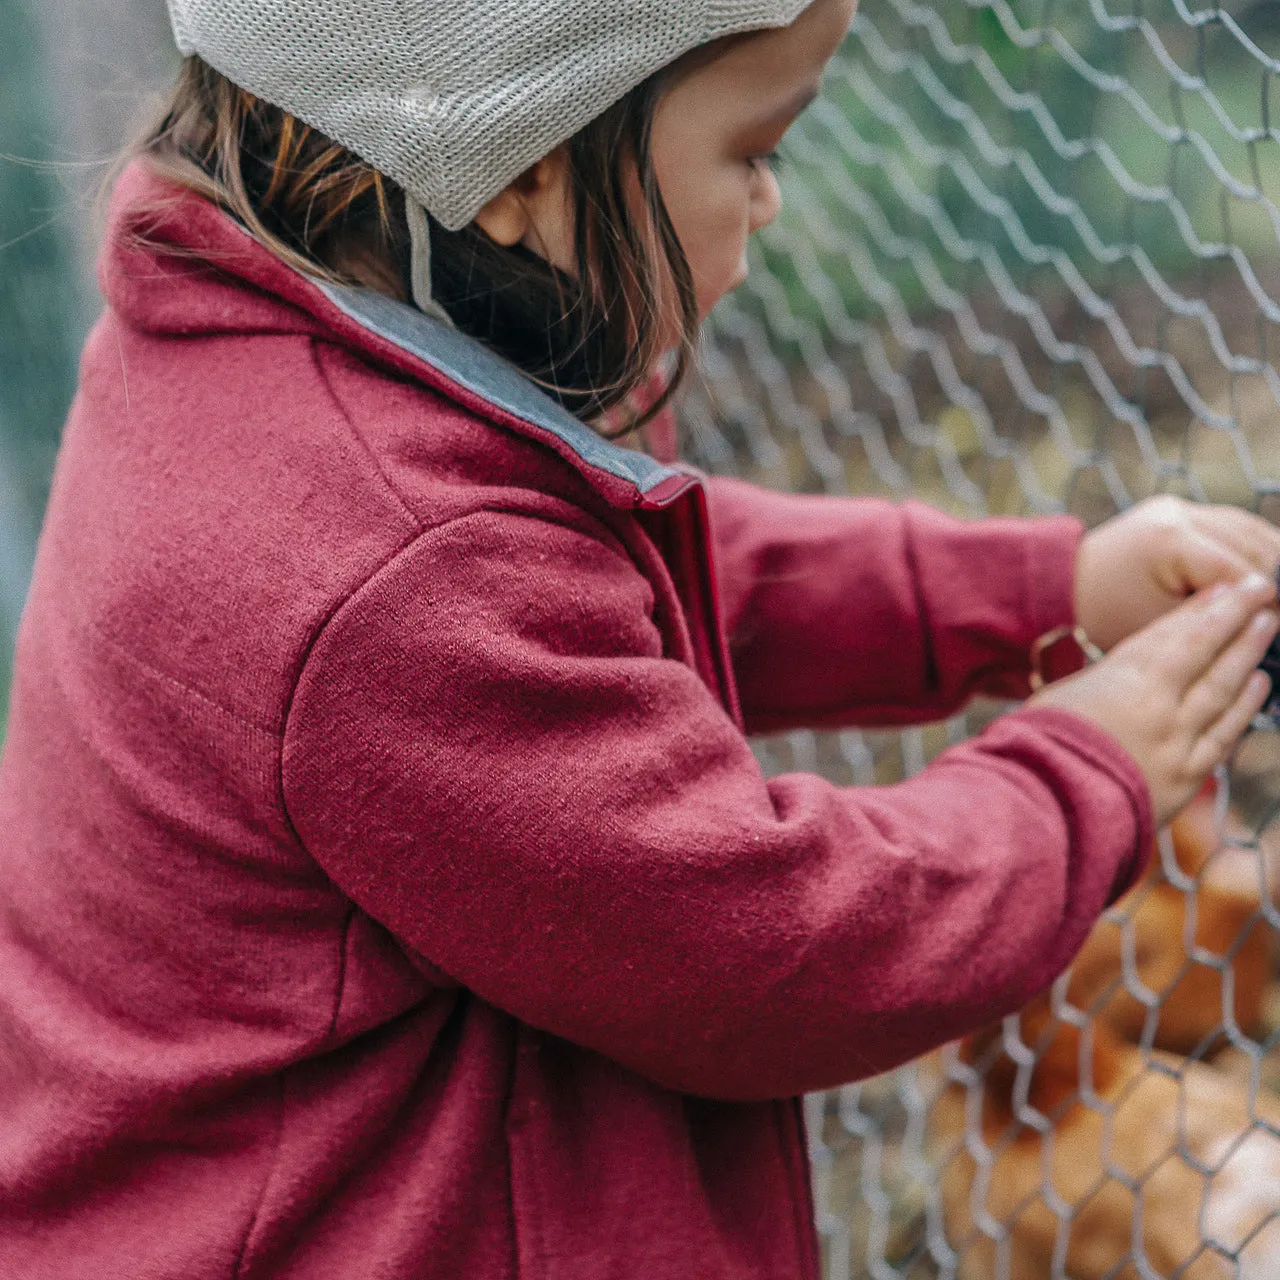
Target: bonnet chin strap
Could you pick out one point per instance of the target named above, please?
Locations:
(420, 261)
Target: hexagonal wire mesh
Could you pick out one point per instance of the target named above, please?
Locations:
(1030, 262)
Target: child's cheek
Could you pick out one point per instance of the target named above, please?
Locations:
(721, 276)
(714, 238)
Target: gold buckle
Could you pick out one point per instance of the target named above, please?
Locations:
(1088, 652)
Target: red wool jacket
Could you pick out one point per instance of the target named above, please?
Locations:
(388, 889)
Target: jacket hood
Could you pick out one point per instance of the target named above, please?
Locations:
(176, 265)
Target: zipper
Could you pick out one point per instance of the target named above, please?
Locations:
(681, 532)
(702, 551)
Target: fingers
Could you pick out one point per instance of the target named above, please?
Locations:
(1213, 695)
(1217, 742)
(1188, 640)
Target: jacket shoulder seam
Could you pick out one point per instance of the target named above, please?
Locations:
(377, 570)
(606, 539)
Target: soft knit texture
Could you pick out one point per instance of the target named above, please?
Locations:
(388, 887)
(454, 99)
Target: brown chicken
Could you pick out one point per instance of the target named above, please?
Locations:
(1136, 965)
(1093, 1154)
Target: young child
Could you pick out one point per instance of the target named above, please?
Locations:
(388, 887)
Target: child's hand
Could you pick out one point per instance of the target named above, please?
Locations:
(1141, 564)
(1178, 695)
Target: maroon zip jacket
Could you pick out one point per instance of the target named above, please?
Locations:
(387, 888)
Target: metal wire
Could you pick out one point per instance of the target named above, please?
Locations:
(1030, 262)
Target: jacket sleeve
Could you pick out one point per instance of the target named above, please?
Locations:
(489, 753)
(860, 611)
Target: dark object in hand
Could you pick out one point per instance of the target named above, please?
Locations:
(1271, 665)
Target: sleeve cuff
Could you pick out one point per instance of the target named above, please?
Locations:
(1050, 567)
(1100, 749)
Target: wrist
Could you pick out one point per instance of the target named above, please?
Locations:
(1086, 608)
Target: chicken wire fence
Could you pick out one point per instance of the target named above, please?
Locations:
(1030, 262)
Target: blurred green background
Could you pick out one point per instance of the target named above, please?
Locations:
(42, 308)
(76, 78)
(1028, 261)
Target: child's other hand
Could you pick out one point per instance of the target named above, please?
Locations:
(1139, 565)
(1178, 695)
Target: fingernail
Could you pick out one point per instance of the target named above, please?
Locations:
(1265, 622)
(1254, 582)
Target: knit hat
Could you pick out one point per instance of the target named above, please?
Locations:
(454, 99)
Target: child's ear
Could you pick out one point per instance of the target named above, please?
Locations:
(530, 210)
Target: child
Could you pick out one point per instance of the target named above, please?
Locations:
(388, 887)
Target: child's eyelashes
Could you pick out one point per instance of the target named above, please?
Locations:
(771, 160)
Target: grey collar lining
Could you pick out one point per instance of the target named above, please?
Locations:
(477, 369)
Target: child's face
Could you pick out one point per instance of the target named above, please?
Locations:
(723, 110)
(715, 127)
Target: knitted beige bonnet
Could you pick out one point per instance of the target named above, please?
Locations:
(453, 99)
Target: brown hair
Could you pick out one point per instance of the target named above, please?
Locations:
(591, 338)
